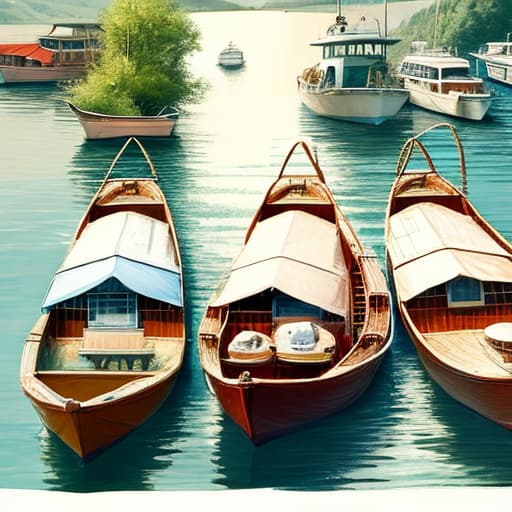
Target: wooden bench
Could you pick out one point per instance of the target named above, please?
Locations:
(102, 346)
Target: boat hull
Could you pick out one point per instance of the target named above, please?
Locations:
(499, 72)
(491, 398)
(101, 126)
(266, 409)
(359, 105)
(88, 430)
(467, 106)
(22, 74)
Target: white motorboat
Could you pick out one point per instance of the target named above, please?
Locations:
(231, 56)
(498, 60)
(439, 81)
(351, 82)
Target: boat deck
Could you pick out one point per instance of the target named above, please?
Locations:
(66, 355)
(467, 351)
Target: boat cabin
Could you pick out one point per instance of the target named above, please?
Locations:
(65, 44)
(439, 71)
(452, 273)
(116, 300)
(498, 49)
(350, 57)
(273, 335)
(73, 42)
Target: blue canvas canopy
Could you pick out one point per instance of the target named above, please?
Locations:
(133, 248)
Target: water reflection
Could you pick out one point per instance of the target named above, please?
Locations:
(340, 452)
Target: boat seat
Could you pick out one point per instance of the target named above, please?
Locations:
(102, 346)
(304, 343)
(250, 347)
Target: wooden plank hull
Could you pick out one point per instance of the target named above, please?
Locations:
(268, 409)
(491, 398)
(88, 430)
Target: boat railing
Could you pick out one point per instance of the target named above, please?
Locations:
(414, 143)
(167, 110)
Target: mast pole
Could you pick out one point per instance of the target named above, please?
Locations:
(435, 25)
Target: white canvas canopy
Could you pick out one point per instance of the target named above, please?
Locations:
(128, 234)
(430, 244)
(295, 253)
(134, 248)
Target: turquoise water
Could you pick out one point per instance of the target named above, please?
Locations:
(404, 432)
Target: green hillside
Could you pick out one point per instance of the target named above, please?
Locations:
(49, 11)
(329, 5)
(462, 24)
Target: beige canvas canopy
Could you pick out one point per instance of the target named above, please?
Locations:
(295, 253)
(430, 244)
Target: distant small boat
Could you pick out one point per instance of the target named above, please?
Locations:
(231, 57)
(109, 345)
(438, 81)
(498, 60)
(302, 322)
(62, 54)
(351, 82)
(102, 126)
(452, 274)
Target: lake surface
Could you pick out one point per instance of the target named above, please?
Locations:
(404, 432)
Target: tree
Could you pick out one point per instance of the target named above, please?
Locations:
(143, 65)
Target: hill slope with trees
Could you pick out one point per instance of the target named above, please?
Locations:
(462, 24)
(50, 11)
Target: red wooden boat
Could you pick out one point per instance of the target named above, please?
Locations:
(452, 274)
(300, 326)
(109, 345)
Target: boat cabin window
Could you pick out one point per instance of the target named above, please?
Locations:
(419, 70)
(464, 291)
(286, 306)
(454, 73)
(51, 44)
(73, 45)
(342, 50)
(112, 305)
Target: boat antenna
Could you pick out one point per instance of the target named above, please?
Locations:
(338, 7)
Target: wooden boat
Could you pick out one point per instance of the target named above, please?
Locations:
(351, 82)
(452, 274)
(231, 57)
(300, 326)
(110, 342)
(101, 126)
(441, 82)
(63, 54)
(497, 57)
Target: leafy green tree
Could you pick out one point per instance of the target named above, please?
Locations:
(143, 66)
